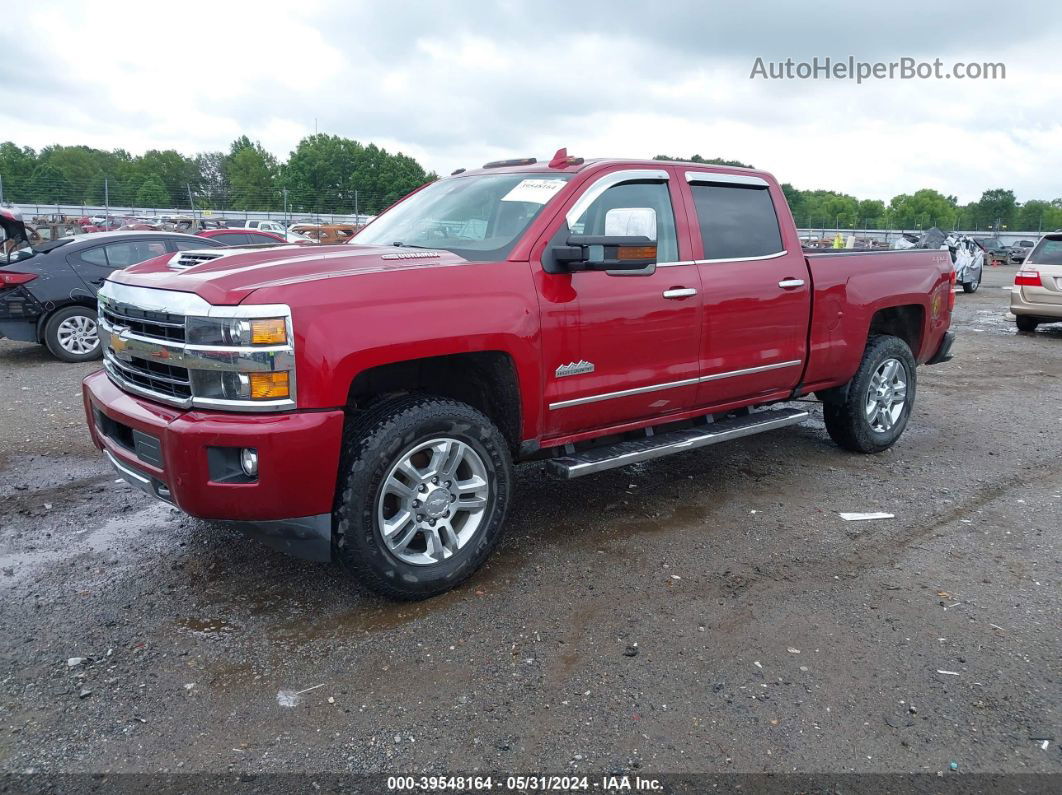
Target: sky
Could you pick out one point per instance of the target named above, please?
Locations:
(455, 83)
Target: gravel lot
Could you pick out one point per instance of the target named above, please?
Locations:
(707, 612)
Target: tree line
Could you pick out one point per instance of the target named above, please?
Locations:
(324, 174)
(997, 209)
(332, 174)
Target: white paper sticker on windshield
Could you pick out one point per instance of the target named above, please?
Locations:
(535, 191)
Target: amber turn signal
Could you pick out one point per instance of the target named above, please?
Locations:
(269, 386)
(636, 252)
(269, 331)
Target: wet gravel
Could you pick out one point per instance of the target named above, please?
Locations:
(707, 612)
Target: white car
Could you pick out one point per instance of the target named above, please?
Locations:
(267, 226)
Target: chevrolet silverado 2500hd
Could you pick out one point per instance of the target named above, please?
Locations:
(367, 401)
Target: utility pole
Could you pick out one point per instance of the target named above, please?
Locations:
(190, 202)
(357, 218)
(106, 198)
(287, 216)
(1, 188)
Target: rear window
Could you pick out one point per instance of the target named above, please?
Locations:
(737, 221)
(1047, 252)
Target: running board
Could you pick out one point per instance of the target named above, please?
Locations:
(620, 454)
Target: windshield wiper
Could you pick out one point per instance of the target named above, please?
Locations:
(400, 244)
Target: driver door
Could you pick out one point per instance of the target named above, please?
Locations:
(621, 347)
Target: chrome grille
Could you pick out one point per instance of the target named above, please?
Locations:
(164, 379)
(148, 351)
(157, 325)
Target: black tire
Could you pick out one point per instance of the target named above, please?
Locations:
(847, 421)
(373, 443)
(1027, 323)
(971, 287)
(65, 349)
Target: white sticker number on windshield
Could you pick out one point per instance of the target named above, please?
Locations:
(535, 191)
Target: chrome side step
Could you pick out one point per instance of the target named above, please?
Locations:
(631, 452)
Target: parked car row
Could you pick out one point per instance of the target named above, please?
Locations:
(48, 291)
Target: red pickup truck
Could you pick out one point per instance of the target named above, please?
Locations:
(366, 402)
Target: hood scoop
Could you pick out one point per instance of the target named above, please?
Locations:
(183, 260)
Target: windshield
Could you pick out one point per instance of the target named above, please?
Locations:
(479, 218)
(1048, 252)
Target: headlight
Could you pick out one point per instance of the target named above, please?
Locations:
(228, 385)
(236, 331)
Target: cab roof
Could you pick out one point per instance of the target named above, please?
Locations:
(574, 165)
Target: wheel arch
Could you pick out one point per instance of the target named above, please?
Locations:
(485, 380)
(907, 321)
(52, 307)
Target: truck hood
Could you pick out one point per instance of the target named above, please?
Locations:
(230, 275)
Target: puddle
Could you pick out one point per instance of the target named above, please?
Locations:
(114, 535)
(206, 627)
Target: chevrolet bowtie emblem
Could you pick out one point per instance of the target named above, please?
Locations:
(581, 367)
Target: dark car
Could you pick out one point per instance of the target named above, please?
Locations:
(48, 291)
(996, 251)
(1020, 250)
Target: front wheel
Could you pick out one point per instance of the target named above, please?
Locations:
(424, 489)
(71, 335)
(972, 285)
(877, 406)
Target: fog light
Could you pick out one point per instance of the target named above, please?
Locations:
(249, 461)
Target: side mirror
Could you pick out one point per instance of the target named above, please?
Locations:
(607, 253)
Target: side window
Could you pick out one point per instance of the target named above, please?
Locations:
(122, 255)
(737, 221)
(95, 256)
(231, 239)
(633, 208)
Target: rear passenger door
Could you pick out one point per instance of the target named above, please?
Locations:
(755, 285)
(95, 264)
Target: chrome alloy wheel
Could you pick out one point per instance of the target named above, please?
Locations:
(886, 395)
(433, 501)
(77, 335)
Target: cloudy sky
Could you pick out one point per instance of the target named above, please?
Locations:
(457, 83)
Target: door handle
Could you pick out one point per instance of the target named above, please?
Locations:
(679, 292)
(787, 283)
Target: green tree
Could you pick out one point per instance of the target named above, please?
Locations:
(16, 168)
(924, 208)
(250, 171)
(47, 185)
(152, 193)
(328, 173)
(995, 209)
(175, 171)
(1037, 215)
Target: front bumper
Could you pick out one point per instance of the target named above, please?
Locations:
(166, 452)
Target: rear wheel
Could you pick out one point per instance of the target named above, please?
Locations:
(71, 334)
(877, 406)
(1026, 323)
(424, 488)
